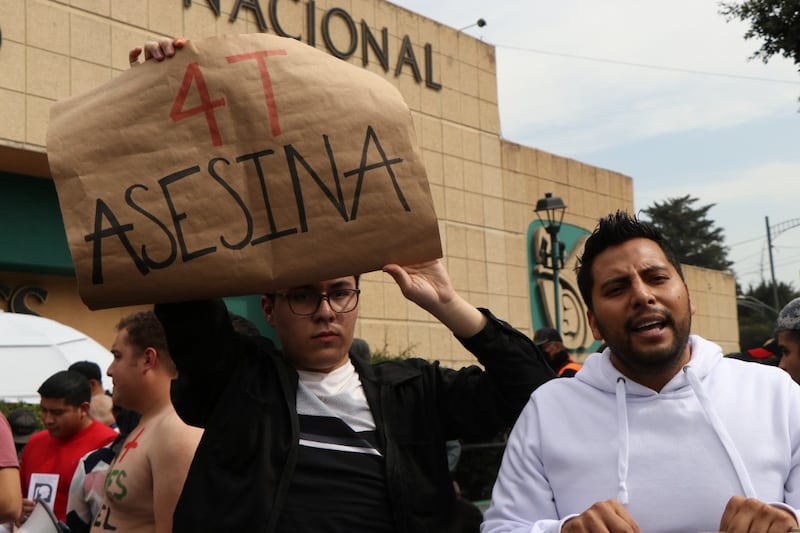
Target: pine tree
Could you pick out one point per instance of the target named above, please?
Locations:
(690, 232)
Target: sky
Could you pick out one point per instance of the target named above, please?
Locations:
(664, 92)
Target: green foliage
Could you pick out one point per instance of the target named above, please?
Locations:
(382, 354)
(775, 22)
(757, 313)
(690, 232)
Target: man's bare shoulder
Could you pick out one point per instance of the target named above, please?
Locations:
(182, 438)
(169, 423)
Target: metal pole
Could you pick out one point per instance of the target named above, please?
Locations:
(553, 231)
(772, 266)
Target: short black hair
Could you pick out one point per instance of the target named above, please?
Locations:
(613, 230)
(90, 369)
(71, 386)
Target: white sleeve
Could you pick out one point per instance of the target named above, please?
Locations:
(522, 501)
(77, 505)
(791, 495)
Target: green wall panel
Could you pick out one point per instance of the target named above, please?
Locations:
(32, 236)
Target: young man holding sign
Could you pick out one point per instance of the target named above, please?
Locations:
(307, 438)
(310, 439)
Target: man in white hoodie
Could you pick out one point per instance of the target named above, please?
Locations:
(659, 433)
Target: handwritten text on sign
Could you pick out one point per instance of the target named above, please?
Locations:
(255, 158)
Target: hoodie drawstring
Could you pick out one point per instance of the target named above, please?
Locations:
(722, 433)
(623, 437)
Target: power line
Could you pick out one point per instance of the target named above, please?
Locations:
(745, 242)
(645, 65)
(784, 262)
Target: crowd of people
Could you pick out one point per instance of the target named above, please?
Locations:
(654, 433)
(212, 427)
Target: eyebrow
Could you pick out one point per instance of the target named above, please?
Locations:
(337, 285)
(644, 272)
(656, 268)
(342, 284)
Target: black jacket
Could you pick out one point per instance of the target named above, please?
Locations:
(243, 393)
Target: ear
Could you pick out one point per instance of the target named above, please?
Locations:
(267, 306)
(150, 357)
(593, 326)
(692, 308)
(84, 406)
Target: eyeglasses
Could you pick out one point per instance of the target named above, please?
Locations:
(307, 302)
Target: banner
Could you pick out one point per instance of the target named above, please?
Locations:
(246, 163)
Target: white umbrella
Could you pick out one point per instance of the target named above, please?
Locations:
(33, 348)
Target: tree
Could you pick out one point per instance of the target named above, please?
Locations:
(776, 22)
(757, 316)
(687, 229)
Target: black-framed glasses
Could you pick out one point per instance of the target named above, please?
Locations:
(304, 302)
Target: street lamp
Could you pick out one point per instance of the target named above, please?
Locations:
(756, 305)
(554, 209)
(479, 23)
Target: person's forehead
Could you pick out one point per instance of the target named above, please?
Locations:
(785, 338)
(632, 255)
(121, 338)
(54, 403)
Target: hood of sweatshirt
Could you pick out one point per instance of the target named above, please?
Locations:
(598, 372)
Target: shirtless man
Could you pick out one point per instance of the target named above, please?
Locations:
(144, 481)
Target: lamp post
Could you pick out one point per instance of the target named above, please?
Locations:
(479, 23)
(554, 209)
(757, 305)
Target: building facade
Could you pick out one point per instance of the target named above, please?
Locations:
(484, 187)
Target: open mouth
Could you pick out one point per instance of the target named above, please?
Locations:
(653, 325)
(650, 325)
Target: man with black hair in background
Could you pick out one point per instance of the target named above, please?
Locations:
(550, 342)
(69, 434)
(101, 406)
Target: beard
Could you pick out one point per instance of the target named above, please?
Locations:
(640, 359)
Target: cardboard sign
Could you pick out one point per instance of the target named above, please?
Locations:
(245, 163)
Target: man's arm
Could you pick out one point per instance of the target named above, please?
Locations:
(475, 404)
(10, 488)
(10, 494)
(522, 500)
(428, 285)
